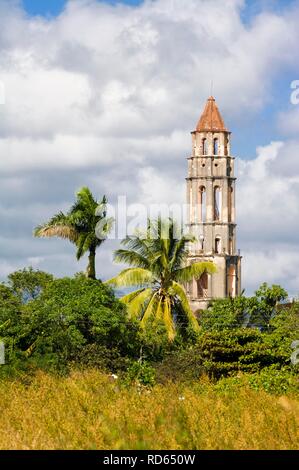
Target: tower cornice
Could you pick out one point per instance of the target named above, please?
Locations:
(211, 178)
(198, 224)
(215, 157)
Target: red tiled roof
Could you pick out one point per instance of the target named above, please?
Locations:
(211, 119)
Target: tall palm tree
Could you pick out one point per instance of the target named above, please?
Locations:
(159, 268)
(86, 225)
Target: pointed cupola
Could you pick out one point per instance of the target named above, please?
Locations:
(211, 119)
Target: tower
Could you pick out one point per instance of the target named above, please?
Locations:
(211, 207)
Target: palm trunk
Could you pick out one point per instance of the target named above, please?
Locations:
(91, 268)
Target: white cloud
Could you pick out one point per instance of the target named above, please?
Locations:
(288, 121)
(276, 266)
(98, 69)
(268, 216)
(106, 96)
(35, 261)
(268, 197)
(6, 268)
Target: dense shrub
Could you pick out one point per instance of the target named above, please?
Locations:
(66, 318)
(11, 321)
(221, 354)
(225, 314)
(104, 358)
(275, 380)
(72, 313)
(272, 379)
(183, 365)
(141, 373)
(256, 311)
(227, 352)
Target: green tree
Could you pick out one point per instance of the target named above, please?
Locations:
(72, 313)
(284, 329)
(159, 268)
(225, 314)
(241, 311)
(28, 283)
(86, 225)
(241, 349)
(10, 318)
(263, 306)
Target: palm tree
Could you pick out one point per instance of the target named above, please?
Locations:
(159, 268)
(86, 225)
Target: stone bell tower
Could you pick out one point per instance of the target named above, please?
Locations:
(211, 206)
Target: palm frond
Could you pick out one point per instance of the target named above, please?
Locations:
(179, 252)
(132, 258)
(168, 318)
(58, 226)
(179, 291)
(150, 309)
(89, 243)
(137, 302)
(126, 299)
(139, 244)
(84, 207)
(194, 270)
(159, 312)
(81, 243)
(61, 231)
(85, 196)
(132, 277)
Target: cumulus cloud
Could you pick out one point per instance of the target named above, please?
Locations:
(105, 96)
(268, 216)
(288, 121)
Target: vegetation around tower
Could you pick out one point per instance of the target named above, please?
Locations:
(145, 354)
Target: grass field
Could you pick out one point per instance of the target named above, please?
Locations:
(88, 411)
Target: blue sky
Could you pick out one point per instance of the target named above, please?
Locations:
(54, 7)
(257, 132)
(108, 101)
(254, 7)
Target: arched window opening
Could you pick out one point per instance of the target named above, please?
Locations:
(203, 205)
(230, 246)
(231, 281)
(226, 143)
(217, 203)
(217, 245)
(230, 201)
(216, 146)
(204, 147)
(202, 286)
(201, 242)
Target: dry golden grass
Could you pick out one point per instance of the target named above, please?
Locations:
(87, 411)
